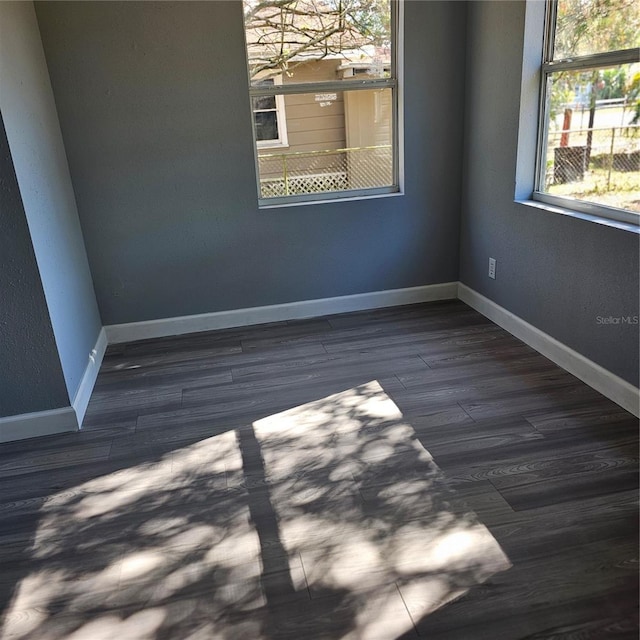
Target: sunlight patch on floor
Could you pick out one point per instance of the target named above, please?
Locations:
(331, 514)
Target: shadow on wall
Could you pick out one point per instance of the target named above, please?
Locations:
(326, 520)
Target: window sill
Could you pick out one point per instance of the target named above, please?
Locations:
(266, 204)
(274, 145)
(572, 213)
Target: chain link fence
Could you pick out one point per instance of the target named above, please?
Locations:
(298, 173)
(599, 165)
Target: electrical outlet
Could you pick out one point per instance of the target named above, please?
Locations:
(492, 268)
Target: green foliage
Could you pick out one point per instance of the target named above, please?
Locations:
(611, 84)
(593, 26)
(586, 27)
(561, 94)
(633, 95)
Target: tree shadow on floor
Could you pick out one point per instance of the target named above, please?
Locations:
(326, 520)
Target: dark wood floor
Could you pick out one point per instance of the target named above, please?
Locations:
(403, 473)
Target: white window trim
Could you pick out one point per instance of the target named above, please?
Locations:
(282, 142)
(547, 66)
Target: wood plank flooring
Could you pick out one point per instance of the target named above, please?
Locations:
(413, 472)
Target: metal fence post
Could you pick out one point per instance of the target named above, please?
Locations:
(285, 174)
(613, 137)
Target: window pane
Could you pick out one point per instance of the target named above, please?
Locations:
(311, 41)
(264, 102)
(585, 27)
(266, 125)
(338, 141)
(593, 141)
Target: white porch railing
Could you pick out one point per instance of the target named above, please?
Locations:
(297, 173)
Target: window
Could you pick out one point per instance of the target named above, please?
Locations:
(324, 95)
(269, 119)
(589, 134)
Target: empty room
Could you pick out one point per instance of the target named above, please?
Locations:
(319, 319)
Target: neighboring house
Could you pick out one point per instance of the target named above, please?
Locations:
(324, 141)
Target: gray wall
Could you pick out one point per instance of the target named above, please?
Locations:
(152, 100)
(558, 273)
(30, 376)
(33, 131)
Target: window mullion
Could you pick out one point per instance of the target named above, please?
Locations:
(596, 60)
(323, 87)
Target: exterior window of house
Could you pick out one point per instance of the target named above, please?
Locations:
(324, 90)
(589, 134)
(269, 120)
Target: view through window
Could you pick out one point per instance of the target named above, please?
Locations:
(590, 129)
(323, 88)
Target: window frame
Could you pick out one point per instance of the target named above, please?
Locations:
(578, 63)
(342, 86)
(282, 141)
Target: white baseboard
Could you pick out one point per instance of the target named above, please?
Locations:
(40, 423)
(83, 394)
(66, 419)
(46, 423)
(608, 384)
(131, 331)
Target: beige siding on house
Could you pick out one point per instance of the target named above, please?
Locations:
(313, 148)
(369, 124)
(319, 139)
(310, 126)
(368, 121)
(318, 71)
(301, 113)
